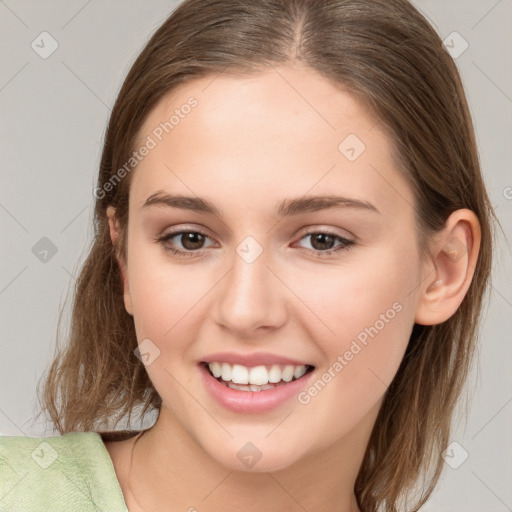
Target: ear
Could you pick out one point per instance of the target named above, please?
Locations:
(454, 254)
(114, 234)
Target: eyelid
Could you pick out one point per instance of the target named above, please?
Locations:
(330, 231)
(181, 231)
(185, 229)
(309, 231)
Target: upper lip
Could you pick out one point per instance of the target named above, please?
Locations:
(253, 359)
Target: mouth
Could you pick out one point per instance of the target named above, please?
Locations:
(256, 378)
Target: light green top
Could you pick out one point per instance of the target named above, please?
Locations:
(73, 472)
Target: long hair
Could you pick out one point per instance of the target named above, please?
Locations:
(388, 56)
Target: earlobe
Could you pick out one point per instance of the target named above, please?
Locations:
(454, 254)
(128, 303)
(114, 234)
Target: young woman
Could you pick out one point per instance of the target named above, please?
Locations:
(293, 242)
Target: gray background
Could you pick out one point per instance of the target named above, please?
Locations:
(53, 116)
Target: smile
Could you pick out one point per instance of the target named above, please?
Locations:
(256, 378)
(256, 389)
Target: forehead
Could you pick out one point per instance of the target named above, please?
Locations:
(282, 132)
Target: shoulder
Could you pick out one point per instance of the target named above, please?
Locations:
(69, 472)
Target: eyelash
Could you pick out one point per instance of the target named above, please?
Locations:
(344, 246)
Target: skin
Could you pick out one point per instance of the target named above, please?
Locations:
(247, 145)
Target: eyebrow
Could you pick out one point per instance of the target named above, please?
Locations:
(287, 207)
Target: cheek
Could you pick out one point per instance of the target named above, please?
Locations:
(350, 296)
(356, 378)
(166, 298)
(370, 314)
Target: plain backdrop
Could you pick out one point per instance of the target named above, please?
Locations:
(53, 116)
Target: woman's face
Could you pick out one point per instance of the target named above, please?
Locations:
(254, 282)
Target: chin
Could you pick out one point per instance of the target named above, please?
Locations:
(254, 456)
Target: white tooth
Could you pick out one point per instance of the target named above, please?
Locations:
(226, 371)
(216, 369)
(299, 371)
(252, 388)
(287, 373)
(258, 375)
(239, 374)
(274, 375)
(240, 388)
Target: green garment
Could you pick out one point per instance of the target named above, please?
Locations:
(68, 473)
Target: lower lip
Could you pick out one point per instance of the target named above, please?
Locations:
(252, 401)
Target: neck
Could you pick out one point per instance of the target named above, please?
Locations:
(169, 467)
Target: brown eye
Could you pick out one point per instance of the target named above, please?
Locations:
(324, 243)
(191, 240)
(186, 243)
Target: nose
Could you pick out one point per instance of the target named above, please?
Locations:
(251, 299)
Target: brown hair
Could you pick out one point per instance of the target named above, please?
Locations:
(389, 57)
